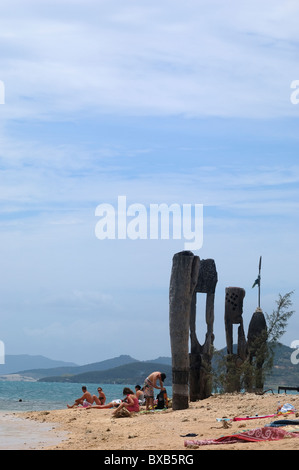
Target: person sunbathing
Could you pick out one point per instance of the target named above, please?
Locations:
(86, 399)
(130, 403)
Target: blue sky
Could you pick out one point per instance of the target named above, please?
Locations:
(164, 102)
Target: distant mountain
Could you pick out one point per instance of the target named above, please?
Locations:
(16, 363)
(161, 360)
(125, 369)
(71, 370)
(133, 373)
(283, 372)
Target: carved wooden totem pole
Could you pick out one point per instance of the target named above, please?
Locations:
(201, 355)
(183, 280)
(234, 297)
(188, 276)
(257, 349)
(257, 341)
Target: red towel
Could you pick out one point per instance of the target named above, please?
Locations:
(253, 435)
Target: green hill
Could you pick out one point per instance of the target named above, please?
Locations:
(74, 370)
(283, 372)
(125, 369)
(15, 363)
(134, 372)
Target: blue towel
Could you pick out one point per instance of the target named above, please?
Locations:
(283, 422)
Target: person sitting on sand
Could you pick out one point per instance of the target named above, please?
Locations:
(85, 400)
(149, 384)
(101, 400)
(140, 395)
(130, 403)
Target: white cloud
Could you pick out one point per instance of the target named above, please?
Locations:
(195, 59)
(69, 60)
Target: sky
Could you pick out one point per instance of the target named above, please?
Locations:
(162, 102)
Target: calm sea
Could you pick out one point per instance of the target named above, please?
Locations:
(38, 396)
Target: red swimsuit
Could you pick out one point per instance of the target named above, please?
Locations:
(135, 406)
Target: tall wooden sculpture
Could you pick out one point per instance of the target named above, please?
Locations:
(234, 297)
(201, 355)
(257, 350)
(252, 350)
(257, 341)
(190, 275)
(183, 280)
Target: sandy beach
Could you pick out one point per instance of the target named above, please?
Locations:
(93, 429)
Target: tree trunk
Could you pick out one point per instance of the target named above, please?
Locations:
(184, 276)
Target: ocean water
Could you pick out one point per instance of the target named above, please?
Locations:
(39, 396)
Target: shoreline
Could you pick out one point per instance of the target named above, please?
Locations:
(93, 429)
(19, 433)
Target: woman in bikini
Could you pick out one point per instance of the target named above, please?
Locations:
(101, 400)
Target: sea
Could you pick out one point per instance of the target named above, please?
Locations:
(39, 396)
(18, 396)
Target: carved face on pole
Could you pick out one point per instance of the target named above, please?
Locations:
(234, 297)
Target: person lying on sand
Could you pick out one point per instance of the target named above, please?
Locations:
(130, 403)
(85, 400)
(112, 404)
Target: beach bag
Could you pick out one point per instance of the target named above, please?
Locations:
(287, 408)
(162, 400)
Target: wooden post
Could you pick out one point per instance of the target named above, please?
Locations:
(184, 276)
(200, 378)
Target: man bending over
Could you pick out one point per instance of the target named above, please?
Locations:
(149, 384)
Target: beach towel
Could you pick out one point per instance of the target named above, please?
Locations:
(283, 411)
(283, 422)
(253, 435)
(245, 418)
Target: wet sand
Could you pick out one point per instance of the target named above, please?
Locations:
(17, 433)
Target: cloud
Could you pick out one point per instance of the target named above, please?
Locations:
(62, 185)
(109, 98)
(196, 59)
